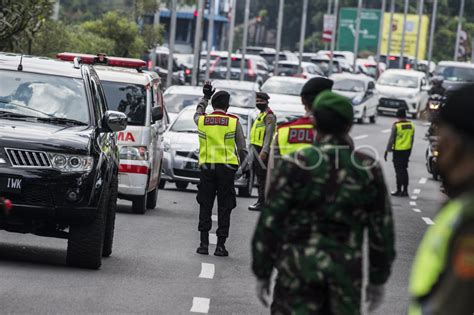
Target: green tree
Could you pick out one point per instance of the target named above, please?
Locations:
(121, 31)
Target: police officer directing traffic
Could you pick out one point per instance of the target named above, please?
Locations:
(442, 278)
(261, 136)
(311, 229)
(400, 144)
(221, 147)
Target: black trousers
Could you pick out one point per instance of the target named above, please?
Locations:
(400, 162)
(216, 180)
(260, 170)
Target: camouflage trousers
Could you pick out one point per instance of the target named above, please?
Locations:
(325, 299)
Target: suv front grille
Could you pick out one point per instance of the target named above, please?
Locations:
(32, 195)
(28, 158)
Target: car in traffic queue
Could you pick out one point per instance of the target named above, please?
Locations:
(59, 157)
(255, 68)
(181, 146)
(177, 98)
(290, 69)
(323, 64)
(455, 74)
(284, 90)
(402, 89)
(360, 89)
(137, 93)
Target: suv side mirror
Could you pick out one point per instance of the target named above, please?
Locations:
(371, 86)
(156, 114)
(114, 120)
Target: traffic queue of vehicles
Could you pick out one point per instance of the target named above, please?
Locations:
(80, 132)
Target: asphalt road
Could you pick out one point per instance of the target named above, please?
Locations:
(154, 268)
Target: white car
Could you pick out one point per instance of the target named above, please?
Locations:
(178, 97)
(137, 94)
(360, 89)
(402, 89)
(284, 90)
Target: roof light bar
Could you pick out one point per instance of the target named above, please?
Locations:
(103, 59)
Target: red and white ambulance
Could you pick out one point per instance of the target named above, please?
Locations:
(136, 93)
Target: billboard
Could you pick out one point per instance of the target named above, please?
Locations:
(369, 29)
(410, 35)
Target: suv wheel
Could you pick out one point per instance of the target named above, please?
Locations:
(139, 204)
(152, 198)
(110, 219)
(181, 185)
(85, 242)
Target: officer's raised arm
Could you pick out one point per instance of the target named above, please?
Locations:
(202, 105)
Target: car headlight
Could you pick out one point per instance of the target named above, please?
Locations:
(435, 153)
(356, 100)
(134, 153)
(166, 146)
(71, 163)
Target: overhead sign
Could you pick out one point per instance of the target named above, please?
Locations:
(328, 26)
(410, 36)
(369, 29)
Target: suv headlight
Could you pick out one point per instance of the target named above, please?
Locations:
(134, 153)
(357, 100)
(71, 163)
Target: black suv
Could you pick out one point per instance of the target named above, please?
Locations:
(58, 155)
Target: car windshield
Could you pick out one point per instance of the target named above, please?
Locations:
(270, 57)
(43, 96)
(185, 122)
(283, 87)
(398, 80)
(456, 73)
(324, 65)
(176, 102)
(287, 69)
(127, 98)
(241, 98)
(348, 85)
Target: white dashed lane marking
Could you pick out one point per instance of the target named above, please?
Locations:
(386, 130)
(423, 180)
(212, 238)
(428, 221)
(207, 271)
(360, 137)
(412, 203)
(214, 218)
(417, 191)
(416, 210)
(200, 305)
(414, 197)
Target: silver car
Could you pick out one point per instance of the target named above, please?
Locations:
(181, 151)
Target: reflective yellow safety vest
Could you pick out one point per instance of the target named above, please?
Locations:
(433, 253)
(217, 139)
(404, 136)
(295, 135)
(257, 133)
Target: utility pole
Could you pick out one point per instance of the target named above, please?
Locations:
(379, 44)
(210, 36)
(432, 30)
(458, 33)
(231, 39)
(418, 32)
(328, 12)
(389, 42)
(278, 43)
(402, 49)
(302, 32)
(244, 40)
(357, 33)
(197, 43)
(333, 38)
(169, 76)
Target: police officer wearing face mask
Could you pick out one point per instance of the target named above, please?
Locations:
(261, 137)
(221, 149)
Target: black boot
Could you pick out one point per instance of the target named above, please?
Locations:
(220, 248)
(203, 248)
(404, 192)
(397, 193)
(256, 207)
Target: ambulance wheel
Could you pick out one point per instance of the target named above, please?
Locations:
(152, 198)
(181, 185)
(139, 204)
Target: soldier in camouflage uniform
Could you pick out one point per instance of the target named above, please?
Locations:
(311, 229)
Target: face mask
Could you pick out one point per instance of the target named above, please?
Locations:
(262, 107)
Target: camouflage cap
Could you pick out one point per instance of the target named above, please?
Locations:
(336, 103)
